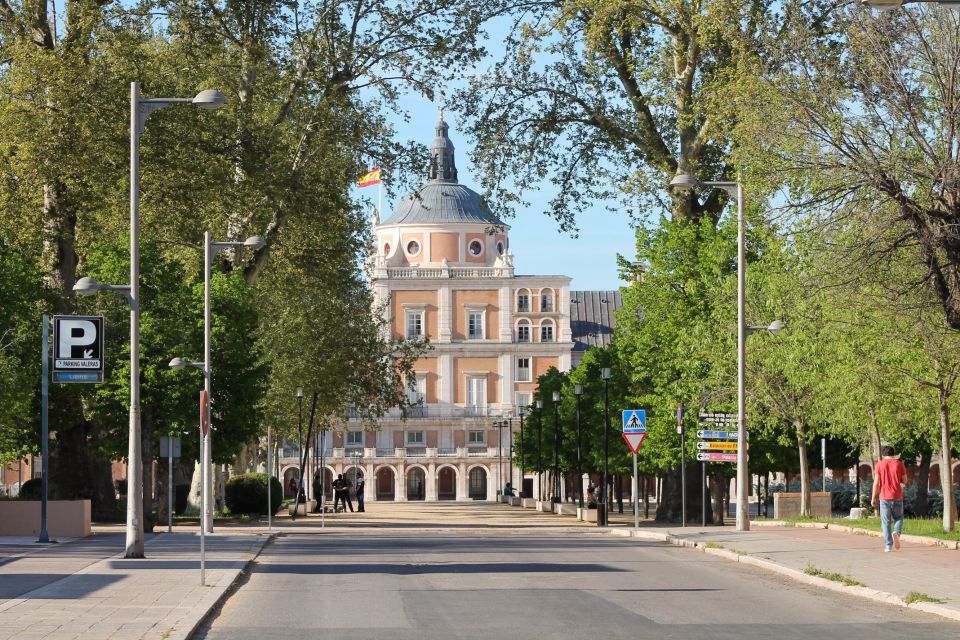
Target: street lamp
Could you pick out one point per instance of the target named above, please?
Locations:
(885, 5)
(300, 484)
(520, 410)
(539, 451)
(140, 110)
(210, 249)
(686, 182)
(180, 363)
(556, 448)
(602, 511)
(577, 392)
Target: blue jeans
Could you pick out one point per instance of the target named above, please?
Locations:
(891, 509)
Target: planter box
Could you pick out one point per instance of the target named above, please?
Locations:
(566, 509)
(545, 507)
(516, 502)
(787, 505)
(302, 508)
(65, 518)
(528, 503)
(587, 515)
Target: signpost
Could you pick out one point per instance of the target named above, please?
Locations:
(634, 433)
(204, 428)
(718, 443)
(77, 357)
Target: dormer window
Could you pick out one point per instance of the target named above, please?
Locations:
(500, 248)
(413, 248)
(475, 248)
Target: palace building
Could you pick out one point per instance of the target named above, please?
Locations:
(443, 268)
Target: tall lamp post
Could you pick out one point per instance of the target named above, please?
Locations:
(539, 406)
(210, 250)
(521, 411)
(602, 510)
(577, 392)
(686, 182)
(300, 483)
(556, 448)
(180, 363)
(140, 110)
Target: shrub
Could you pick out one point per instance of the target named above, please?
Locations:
(30, 490)
(247, 493)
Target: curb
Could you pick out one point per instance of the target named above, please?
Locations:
(795, 574)
(212, 602)
(858, 531)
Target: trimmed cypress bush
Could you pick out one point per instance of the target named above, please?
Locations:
(31, 489)
(247, 493)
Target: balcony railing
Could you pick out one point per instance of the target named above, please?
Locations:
(416, 452)
(410, 273)
(435, 411)
(476, 452)
(446, 452)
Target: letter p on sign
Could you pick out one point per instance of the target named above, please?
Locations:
(76, 339)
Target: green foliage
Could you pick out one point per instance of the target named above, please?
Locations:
(247, 494)
(31, 490)
(23, 301)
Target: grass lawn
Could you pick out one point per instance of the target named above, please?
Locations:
(931, 527)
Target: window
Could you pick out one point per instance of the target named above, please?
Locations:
(523, 302)
(414, 324)
(476, 394)
(546, 333)
(413, 248)
(523, 369)
(415, 438)
(418, 392)
(523, 401)
(475, 325)
(386, 248)
(475, 247)
(546, 301)
(500, 248)
(523, 332)
(354, 438)
(475, 437)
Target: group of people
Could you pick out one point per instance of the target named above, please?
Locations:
(341, 492)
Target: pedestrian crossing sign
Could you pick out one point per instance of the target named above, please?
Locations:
(634, 421)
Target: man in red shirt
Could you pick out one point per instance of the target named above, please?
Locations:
(889, 478)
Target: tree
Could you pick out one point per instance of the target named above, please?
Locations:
(866, 136)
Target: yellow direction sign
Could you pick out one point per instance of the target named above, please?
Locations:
(720, 446)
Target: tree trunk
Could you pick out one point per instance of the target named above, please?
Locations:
(923, 484)
(946, 471)
(718, 482)
(804, 468)
(619, 492)
(146, 457)
(646, 497)
(669, 506)
(194, 498)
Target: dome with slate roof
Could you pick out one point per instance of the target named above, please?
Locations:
(443, 221)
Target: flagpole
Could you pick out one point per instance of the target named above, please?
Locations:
(380, 200)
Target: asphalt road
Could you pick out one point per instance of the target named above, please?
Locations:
(573, 584)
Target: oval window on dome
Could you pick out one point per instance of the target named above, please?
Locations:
(386, 248)
(500, 248)
(413, 248)
(476, 248)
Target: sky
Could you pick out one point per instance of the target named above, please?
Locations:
(539, 248)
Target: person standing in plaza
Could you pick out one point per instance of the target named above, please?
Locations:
(360, 484)
(889, 478)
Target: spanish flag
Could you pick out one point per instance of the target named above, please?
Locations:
(370, 178)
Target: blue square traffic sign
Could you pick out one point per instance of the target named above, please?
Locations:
(635, 421)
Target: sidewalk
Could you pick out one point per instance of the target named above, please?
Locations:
(793, 551)
(86, 589)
